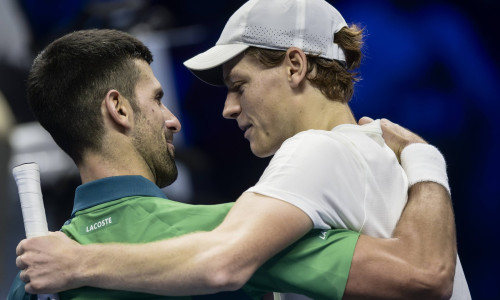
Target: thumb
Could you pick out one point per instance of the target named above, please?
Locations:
(365, 120)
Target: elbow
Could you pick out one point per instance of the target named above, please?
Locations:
(226, 267)
(443, 284)
(226, 272)
(435, 284)
(225, 278)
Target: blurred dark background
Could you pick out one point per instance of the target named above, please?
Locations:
(432, 66)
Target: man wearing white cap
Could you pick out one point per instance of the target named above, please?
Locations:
(293, 104)
(289, 69)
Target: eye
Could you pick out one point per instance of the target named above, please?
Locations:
(241, 89)
(238, 88)
(159, 96)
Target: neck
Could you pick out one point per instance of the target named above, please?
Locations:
(324, 114)
(101, 165)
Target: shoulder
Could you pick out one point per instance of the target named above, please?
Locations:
(317, 141)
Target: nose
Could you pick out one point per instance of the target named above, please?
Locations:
(232, 107)
(172, 122)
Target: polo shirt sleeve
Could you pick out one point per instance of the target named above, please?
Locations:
(316, 266)
(17, 291)
(321, 175)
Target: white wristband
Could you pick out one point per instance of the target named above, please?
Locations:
(424, 162)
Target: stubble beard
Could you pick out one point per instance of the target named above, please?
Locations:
(158, 157)
(167, 172)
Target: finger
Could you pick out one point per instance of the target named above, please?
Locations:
(19, 248)
(391, 129)
(23, 275)
(385, 123)
(30, 289)
(365, 120)
(20, 264)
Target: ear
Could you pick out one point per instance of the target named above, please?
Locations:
(296, 61)
(118, 109)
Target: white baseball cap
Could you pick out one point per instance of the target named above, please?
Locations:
(272, 24)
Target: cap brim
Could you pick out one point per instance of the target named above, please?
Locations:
(207, 66)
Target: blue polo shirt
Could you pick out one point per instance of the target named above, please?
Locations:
(132, 209)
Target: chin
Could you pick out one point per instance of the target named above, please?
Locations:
(262, 153)
(168, 180)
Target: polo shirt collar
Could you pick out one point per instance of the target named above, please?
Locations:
(112, 188)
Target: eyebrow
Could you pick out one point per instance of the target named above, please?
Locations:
(227, 80)
(230, 81)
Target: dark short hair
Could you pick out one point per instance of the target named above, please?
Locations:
(70, 78)
(334, 79)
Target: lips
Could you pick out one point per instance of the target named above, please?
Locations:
(247, 132)
(169, 138)
(246, 129)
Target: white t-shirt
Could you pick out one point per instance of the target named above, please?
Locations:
(344, 178)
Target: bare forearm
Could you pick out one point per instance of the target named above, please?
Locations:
(171, 267)
(419, 262)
